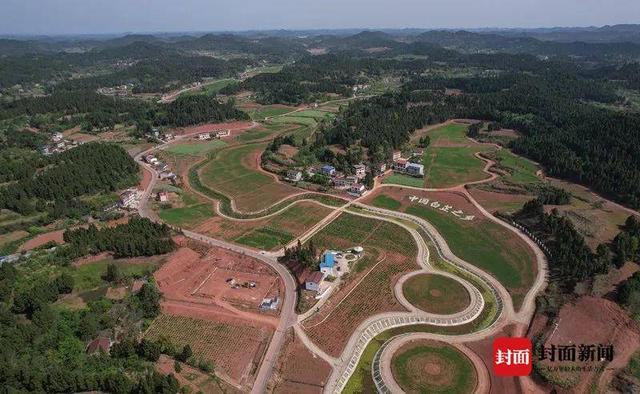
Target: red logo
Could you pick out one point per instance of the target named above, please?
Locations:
(512, 356)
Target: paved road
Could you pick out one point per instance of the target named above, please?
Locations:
(343, 366)
(288, 316)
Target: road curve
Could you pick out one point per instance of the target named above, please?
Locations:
(288, 316)
(382, 369)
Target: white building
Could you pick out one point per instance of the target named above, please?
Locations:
(294, 175)
(360, 170)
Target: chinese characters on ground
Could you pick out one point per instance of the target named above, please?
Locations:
(442, 207)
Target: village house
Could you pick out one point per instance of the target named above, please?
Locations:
(357, 190)
(163, 196)
(395, 155)
(223, 133)
(100, 344)
(381, 168)
(344, 182)
(313, 281)
(204, 136)
(167, 175)
(328, 170)
(414, 169)
(294, 175)
(57, 137)
(400, 164)
(360, 170)
(127, 198)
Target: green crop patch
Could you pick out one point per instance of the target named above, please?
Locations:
(196, 148)
(436, 294)
(266, 238)
(433, 367)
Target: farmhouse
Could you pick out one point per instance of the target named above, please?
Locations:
(415, 169)
(400, 164)
(345, 182)
(167, 175)
(294, 175)
(100, 344)
(313, 281)
(328, 263)
(360, 170)
(328, 170)
(269, 304)
(357, 189)
(127, 198)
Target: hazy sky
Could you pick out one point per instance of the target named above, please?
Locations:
(115, 16)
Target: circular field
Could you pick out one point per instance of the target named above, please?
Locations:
(433, 367)
(436, 294)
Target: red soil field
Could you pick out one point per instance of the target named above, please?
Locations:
(55, 236)
(590, 320)
(146, 179)
(195, 285)
(298, 370)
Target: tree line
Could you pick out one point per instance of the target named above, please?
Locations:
(138, 237)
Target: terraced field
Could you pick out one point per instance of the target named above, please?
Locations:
(234, 172)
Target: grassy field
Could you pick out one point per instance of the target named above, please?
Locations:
(433, 367)
(386, 202)
(482, 243)
(486, 246)
(89, 276)
(283, 228)
(436, 294)
(196, 148)
(212, 87)
(449, 160)
(521, 169)
(403, 180)
(266, 238)
(261, 113)
(187, 217)
(230, 174)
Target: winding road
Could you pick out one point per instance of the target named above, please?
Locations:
(345, 365)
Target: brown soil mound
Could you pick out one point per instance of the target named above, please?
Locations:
(55, 236)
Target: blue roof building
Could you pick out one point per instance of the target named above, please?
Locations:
(329, 170)
(328, 260)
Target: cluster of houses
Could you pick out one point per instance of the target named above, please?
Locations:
(164, 172)
(156, 134)
(218, 133)
(351, 183)
(121, 90)
(333, 264)
(405, 166)
(59, 144)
